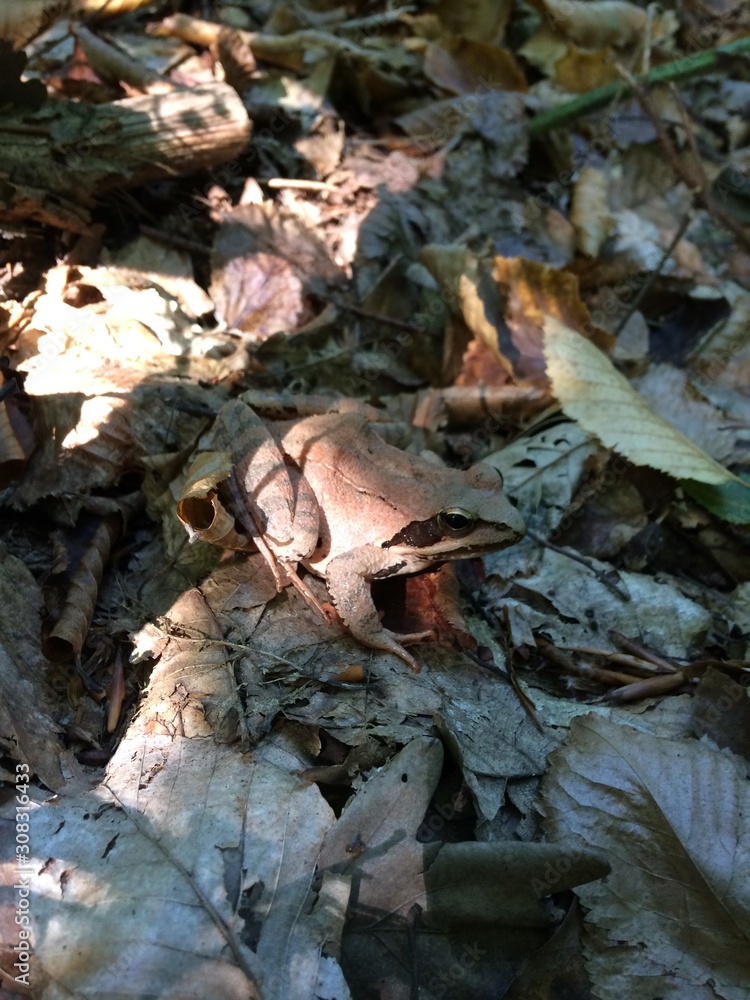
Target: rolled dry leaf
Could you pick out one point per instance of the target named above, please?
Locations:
(107, 8)
(199, 508)
(67, 637)
(589, 211)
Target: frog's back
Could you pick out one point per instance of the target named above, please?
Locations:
(368, 492)
(345, 449)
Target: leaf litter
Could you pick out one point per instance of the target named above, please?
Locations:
(436, 224)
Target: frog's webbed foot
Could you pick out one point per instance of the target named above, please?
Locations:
(390, 642)
(352, 598)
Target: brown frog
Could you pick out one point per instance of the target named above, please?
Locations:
(328, 492)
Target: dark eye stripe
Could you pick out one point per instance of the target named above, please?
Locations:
(418, 534)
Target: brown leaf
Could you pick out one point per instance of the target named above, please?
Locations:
(266, 263)
(26, 707)
(533, 290)
(599, 23)
(668, 813)
(464, 67)
(580, 71)
(479, 20)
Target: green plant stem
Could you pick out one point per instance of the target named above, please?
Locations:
(693, 65)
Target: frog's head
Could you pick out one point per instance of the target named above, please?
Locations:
(474, 517)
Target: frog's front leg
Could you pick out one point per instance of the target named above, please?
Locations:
(348, 578)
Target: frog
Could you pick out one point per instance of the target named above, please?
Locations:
(328, 493)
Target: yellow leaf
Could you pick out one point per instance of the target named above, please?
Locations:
(592, 392)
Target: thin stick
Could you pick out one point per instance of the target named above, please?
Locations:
(643, 290)
(631, 646)
(698, 182)
(397, 324)
(299, 184)
(582, 560)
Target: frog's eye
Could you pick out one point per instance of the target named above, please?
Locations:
(455, 521)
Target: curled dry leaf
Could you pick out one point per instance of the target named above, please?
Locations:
(85, 560)
(589, 211)
(108, 8)
(16, 435)
(592, 392)
(199, 507)
(112, 63)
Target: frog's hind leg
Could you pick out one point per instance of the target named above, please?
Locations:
(300, 585)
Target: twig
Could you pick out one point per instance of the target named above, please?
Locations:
(397, 324)
(376, 20)
(582, 560)
(649, 688)
(633, 664)
(698, 182)
(562, 658)
(299, 183)
(643, 290)
(679, 69)
(631, 646)
(525, 701)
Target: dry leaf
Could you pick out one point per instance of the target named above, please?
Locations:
(597, 24)
(20, 20)
(673, 917)
(266, 263)
(579, 70)
(568, 602)
(200, 509)
(464, 67)
(533, 290)
(592, 392)
(480, 20)
(191, 814)
(589, 211)
(82, 563)
(27, 727)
